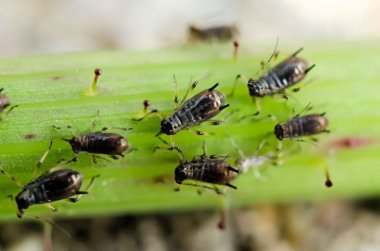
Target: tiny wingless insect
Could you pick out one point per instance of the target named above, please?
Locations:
(112, 144)
(279, 78)
(276, 80)
(101, 142)
(210, 169)
(56, 184)
(200, 108)
(300, 126)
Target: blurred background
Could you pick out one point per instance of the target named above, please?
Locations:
(45, 26)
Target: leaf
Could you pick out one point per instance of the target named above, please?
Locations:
(53, 90)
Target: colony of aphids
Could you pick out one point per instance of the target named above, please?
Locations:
(204, 171)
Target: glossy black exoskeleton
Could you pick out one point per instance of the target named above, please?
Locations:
(112, 144)
(205, 168)
(202, 107)
(53, 185)
(194, 111)
(282, 76)
(57, 185)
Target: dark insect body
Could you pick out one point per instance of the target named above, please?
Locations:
(201, 107)
(218, 33)
(282, 76)
(112, 144)
(206, 169)
(57, 185)
(300, 126)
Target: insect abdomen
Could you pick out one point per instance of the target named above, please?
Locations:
(301, 126)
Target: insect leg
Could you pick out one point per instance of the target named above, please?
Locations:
(189, 90)
(80, 193)
(68, 127)
(237, 78)
(42, 159)
(170, 148)
(258, 106)
(152, 112)
(13, 178)
(11, 108)
(230, 185)
(218, 122)
(258, 109)
(217, 190)
(308, 107)
(116, 128)
(238, 149)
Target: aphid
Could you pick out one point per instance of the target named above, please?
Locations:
(279, 78)
(56, 184)
(111, 144)
(5, 102)
(200, 108)
(100, 142)
(210, 169)
(218, 33)
(300, 126)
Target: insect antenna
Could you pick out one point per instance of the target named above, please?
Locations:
(11, 177)
(52, 223)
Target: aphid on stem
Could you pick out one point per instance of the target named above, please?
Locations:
(189, 113)
(211, 169)
(303, 126)
(277, 79)
(100, 142)
(58, 183)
